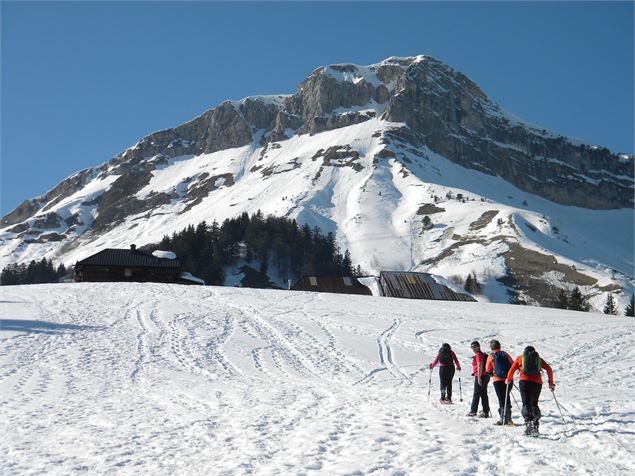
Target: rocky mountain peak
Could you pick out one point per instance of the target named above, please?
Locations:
(440, 106)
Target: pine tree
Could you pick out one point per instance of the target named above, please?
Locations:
(611, 307)
(10, 275)
(347, 264)
(563, 299)
(630, 307)
(469, 284)
(60, 272)
(478, 288)
(578, 302)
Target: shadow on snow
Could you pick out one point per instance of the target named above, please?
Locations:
(41, 327)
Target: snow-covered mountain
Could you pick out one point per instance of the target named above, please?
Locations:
(366, 152)
(126, 378)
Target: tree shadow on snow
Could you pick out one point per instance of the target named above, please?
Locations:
(41, 327)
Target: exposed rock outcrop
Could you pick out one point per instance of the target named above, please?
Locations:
(455, 119)
(25, 210)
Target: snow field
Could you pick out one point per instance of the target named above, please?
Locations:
(167, 379)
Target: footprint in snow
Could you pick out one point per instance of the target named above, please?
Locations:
(315, 466)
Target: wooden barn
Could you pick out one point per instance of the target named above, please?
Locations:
(406, 284)
(331, 284)
(131, 265)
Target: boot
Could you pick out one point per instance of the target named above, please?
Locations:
(529, 426)
(536, 426)
(509, 422)
(499, 422)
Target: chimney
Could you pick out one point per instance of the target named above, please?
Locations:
(133, 248)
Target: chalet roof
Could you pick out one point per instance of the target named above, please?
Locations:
(331, 284)
(130, 258)
(407, 284)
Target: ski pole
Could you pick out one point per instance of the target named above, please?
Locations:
(460, 389)
(429, 384)
(566, 428)
(516, 401)
(507, 392)
(517, 405)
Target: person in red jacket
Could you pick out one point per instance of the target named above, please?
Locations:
(497, 365)
(530, 365)
(481, 379)
(447, 360)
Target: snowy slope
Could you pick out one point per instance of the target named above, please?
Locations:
(168, 379)
(373, 209)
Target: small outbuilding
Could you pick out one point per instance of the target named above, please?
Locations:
(331, 284)
(132, 265)
(410, 285)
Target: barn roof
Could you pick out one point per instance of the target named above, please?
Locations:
(130, 258)
(406, 284)
(331, 284)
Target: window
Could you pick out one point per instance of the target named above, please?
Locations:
(348, 281)
(313, 280)
(127, 272)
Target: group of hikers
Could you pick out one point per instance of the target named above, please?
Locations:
(500, 368)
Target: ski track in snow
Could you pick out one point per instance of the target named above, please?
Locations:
(167, 379)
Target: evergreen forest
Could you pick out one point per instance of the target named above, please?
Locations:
(35, 272)
(207, 250)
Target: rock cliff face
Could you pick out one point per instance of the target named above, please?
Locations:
(67, 187)
(442, 108)
(455, 118)
(414, 105)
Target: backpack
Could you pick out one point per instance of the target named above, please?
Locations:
(445, 356)
(501, 364)
(530, 363)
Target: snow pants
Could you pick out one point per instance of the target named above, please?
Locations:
(529, 393)
(502, 395)
(446, 374)
(480, 393)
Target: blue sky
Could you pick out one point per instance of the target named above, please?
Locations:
(83, 81)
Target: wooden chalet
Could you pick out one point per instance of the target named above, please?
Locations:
(131, 265)
(331, 284)
(410, 285)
